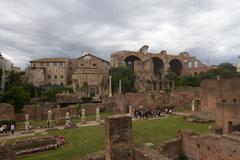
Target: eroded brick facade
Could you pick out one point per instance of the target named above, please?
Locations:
(151, 68)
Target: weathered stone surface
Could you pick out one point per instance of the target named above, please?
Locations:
(7, 112)
(6, 152)
(118, 138)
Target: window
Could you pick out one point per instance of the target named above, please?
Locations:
(55, 77)
(196, 64)
(190, 65)
(61, 77)
(49, 77)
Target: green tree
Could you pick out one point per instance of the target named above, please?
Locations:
(16, 96)
(50, 94)
(126, 76)
(171, 76)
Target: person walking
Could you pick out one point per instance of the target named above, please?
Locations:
(12, 129)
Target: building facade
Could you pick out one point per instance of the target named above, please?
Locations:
(49, 71)
(6, 67)
(87, 75)
(91, 76)
(151, 69)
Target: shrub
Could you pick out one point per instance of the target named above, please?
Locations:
(87, 99)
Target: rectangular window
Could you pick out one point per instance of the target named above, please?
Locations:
(61, 77)
(49, 77)
(55, 77)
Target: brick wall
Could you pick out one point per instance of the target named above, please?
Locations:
(6, 112)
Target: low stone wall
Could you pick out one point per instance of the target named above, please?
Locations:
(182, 97)
(202, 147)
(144, 153)
(171, 148)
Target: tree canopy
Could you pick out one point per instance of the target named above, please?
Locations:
(127, 77)
(224, 70)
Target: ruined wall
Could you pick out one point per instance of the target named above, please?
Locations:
(118, 138)
(227, 113)
(37, 112)
(171, 148)
(199, 147)
(202, 147)
(230, 147)
(6, 112)
(183, 97)
(137, 100)
(214, 91)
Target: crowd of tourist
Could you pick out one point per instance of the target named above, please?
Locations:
(148, 112)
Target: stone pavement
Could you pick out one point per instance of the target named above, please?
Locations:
(19, 134)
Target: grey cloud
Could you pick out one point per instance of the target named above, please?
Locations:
(40, 28)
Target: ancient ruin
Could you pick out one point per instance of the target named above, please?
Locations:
(151, 69)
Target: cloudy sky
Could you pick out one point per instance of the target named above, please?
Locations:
(32, 29)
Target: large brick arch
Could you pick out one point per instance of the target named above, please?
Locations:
(130, 60)
(158, 67)
(176, 66)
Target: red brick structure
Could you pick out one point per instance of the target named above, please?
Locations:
(202, 147)
(215, 91)
(6, 112)
(228, 117)
(151, 68)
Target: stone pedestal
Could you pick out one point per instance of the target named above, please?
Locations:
(27, 123)
(98, 117)
(67, 120)
(193, 105)
(50, 120)
(130, 111)
(83, 116)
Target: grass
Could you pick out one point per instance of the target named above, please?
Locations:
(82, 141)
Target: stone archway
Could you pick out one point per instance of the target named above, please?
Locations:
(158, 67)
(130, 61)
(176, 66)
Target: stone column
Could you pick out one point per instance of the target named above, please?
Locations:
(83, 116)
(110, 86)
(50, 121)
(130, 111)
(120, 86)
(173, 84)
(98, 118)
(193, 105)
(27, 122)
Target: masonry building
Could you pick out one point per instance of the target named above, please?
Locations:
(49, 71)
(151, 69)
(90, 77)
